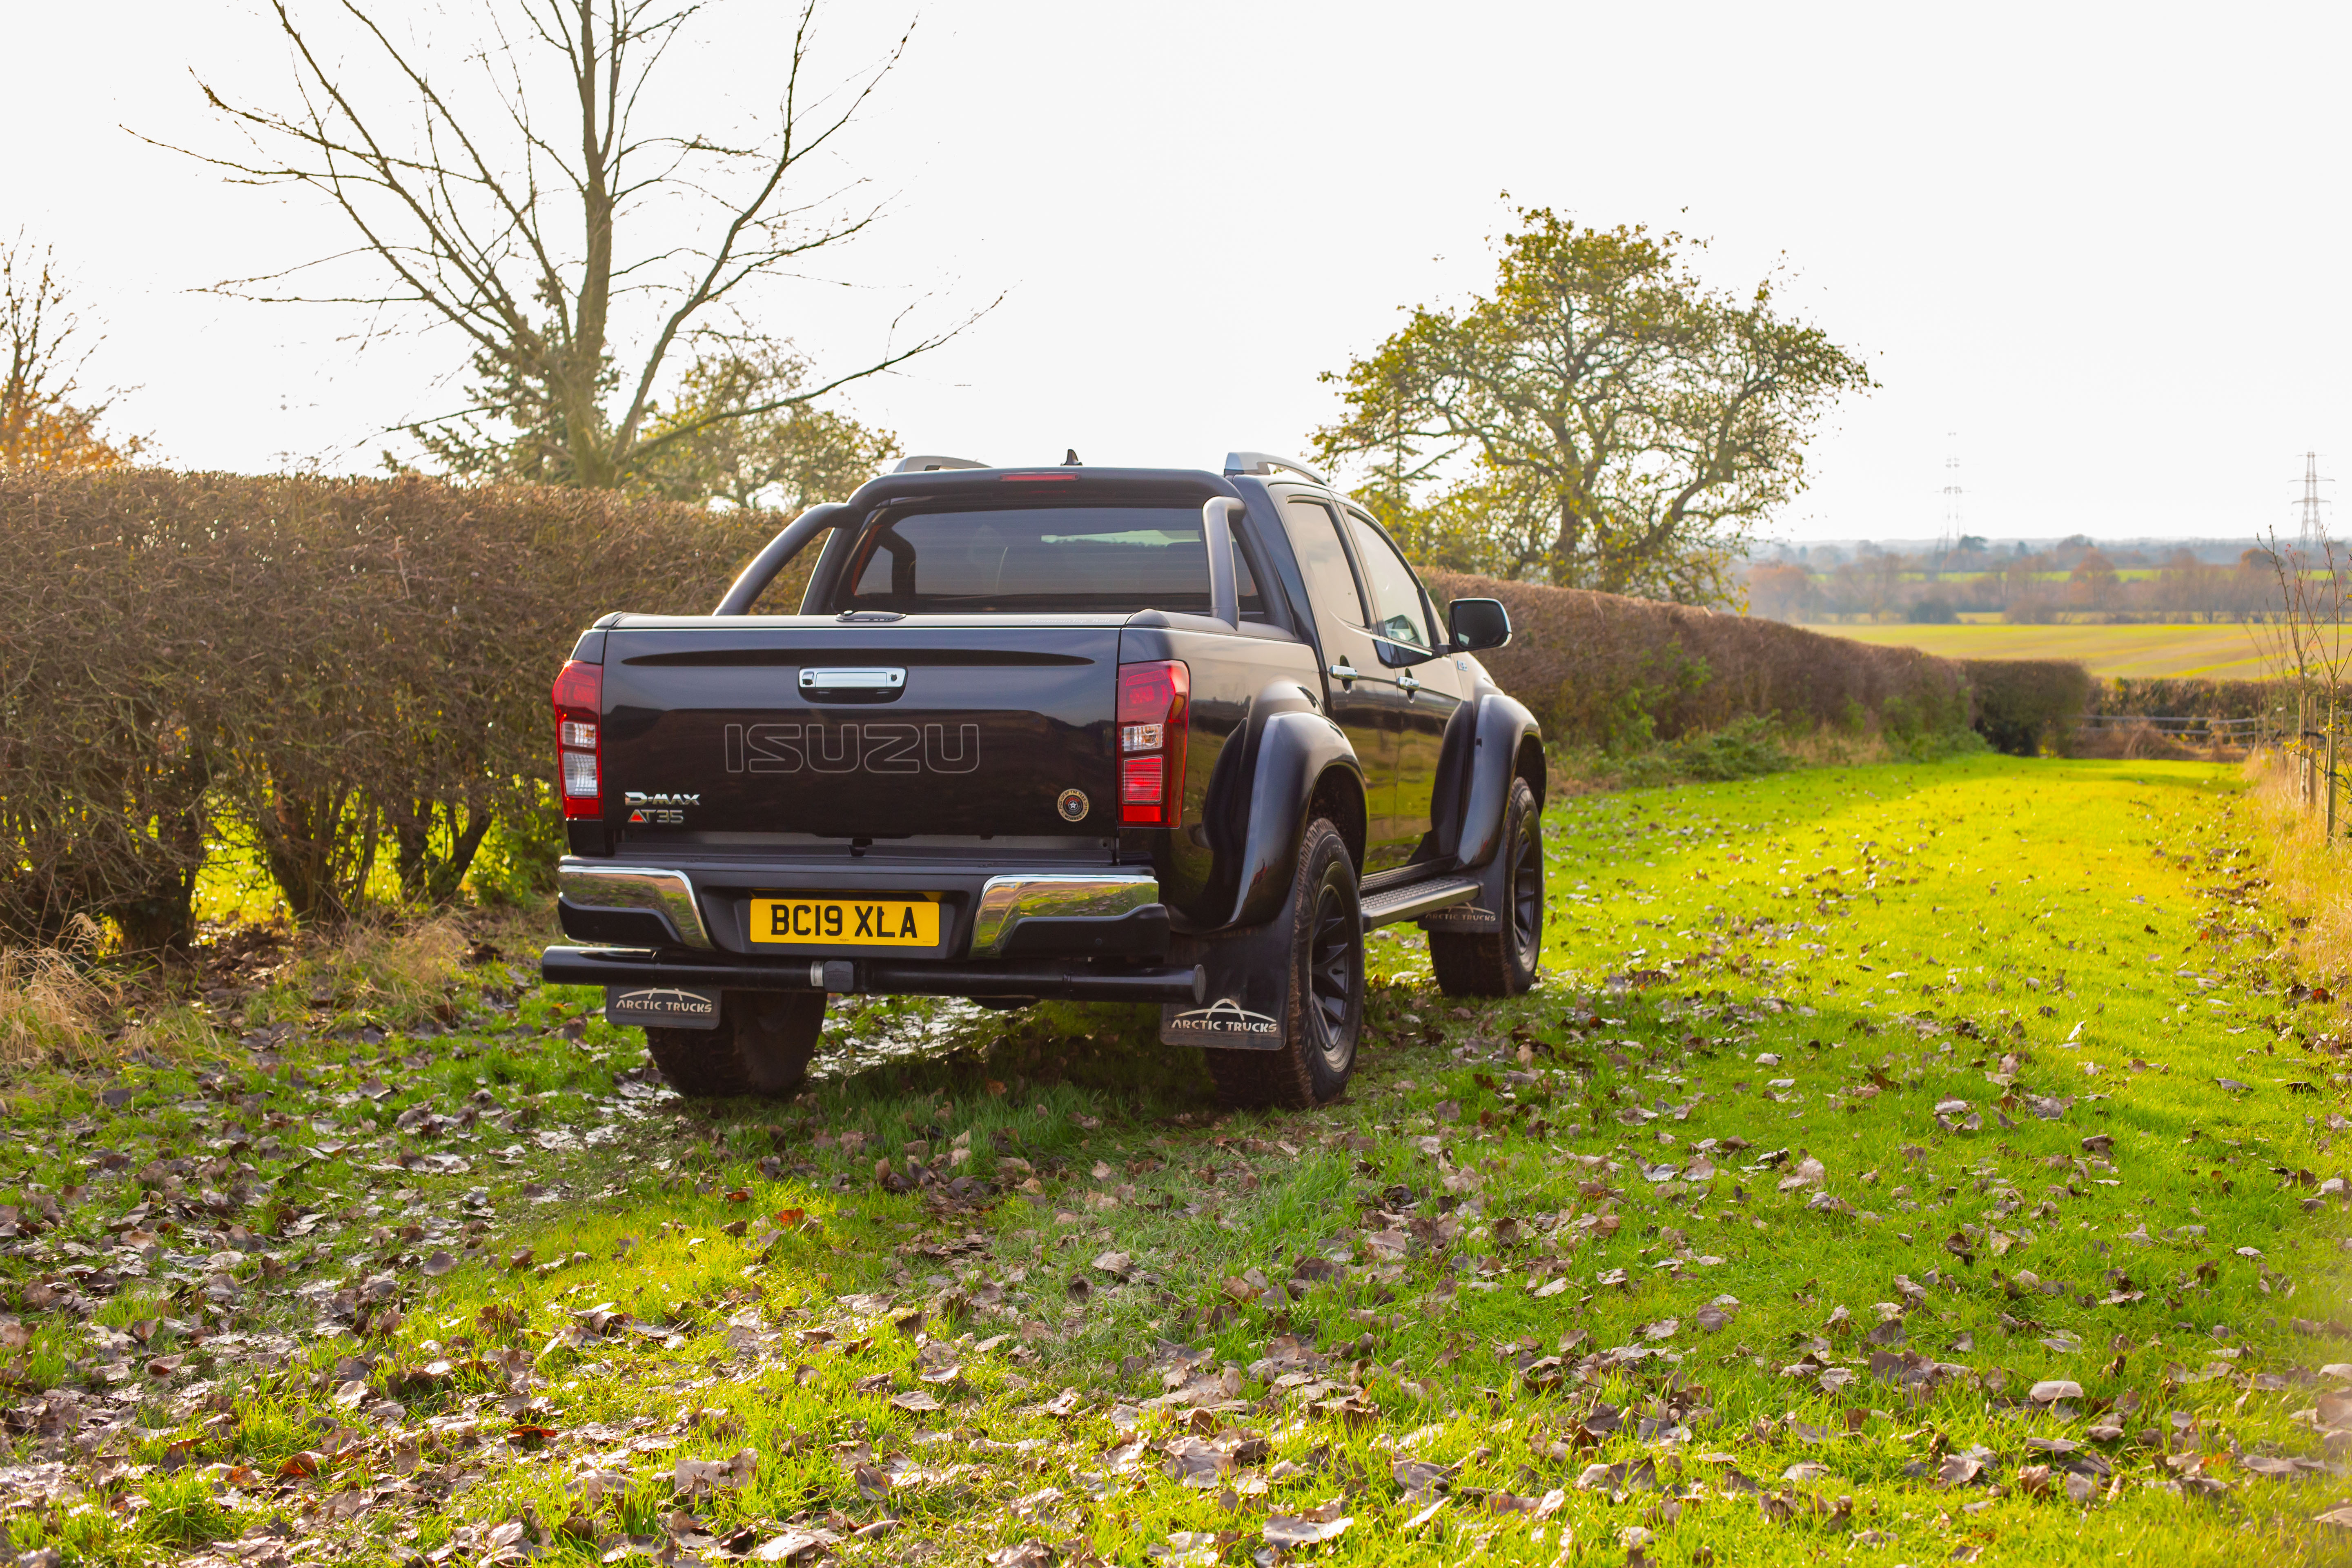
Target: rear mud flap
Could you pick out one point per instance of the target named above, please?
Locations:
(662, 1007)
(1249, 993)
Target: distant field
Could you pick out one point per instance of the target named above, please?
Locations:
(2220, 652)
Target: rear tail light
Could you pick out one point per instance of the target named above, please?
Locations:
(1154, 723)
(579, 707)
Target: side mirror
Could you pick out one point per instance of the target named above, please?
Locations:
(1473, 626)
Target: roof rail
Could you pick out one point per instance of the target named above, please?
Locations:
(926, 462)
(1267, 463)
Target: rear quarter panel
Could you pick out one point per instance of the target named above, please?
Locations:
(1239, 680)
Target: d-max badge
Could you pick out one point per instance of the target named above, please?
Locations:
(1073, 805)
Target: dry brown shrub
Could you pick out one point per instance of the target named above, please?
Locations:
(1606, 670)
(2145, 742)
(1828, 747)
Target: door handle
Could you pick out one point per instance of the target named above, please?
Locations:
(1343, 670)
(1407, 684)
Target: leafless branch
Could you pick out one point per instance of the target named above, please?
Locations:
(469, 217)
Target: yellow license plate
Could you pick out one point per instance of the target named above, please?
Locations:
(847, 922)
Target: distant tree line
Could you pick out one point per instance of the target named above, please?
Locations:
(2072, 583)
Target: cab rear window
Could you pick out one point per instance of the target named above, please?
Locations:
(1089, 559)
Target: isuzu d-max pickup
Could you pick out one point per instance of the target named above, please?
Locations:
(1159, 736)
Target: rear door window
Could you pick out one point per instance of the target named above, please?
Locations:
(1397, 611)
(1089, 559)
(1330, 581)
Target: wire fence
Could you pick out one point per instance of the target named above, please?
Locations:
(2232, 732)
(2321, 768)
(2144, 734)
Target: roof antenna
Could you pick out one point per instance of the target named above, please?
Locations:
(1071, 461)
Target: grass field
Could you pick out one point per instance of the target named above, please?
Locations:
(1909, 1162)
(2216, 652)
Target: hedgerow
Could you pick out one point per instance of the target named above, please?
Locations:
(1605, 670)
(341, 668)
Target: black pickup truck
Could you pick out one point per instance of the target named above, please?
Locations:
(1127, 734)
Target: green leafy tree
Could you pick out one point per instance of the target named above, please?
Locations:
(1601, 420)
(740, 431)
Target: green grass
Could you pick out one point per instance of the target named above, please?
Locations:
(2099, 924)
(2225, 652)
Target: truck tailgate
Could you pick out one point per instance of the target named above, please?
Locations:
(927, 725)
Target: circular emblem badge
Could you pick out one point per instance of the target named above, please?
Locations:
(1073, 805)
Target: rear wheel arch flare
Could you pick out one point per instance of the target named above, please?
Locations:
(1338, 794)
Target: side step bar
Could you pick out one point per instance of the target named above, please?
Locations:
(1418, 898)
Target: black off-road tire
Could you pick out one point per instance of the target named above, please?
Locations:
(760, 1048)
(1502, 963)
(1324, 1005)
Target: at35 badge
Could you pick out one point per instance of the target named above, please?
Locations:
(1072, 805)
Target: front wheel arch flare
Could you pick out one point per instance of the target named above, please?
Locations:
(1530, 766)
(1508, 733)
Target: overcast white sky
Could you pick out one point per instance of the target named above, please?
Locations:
(2096, 250)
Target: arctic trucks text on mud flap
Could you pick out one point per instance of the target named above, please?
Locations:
(1128, 734)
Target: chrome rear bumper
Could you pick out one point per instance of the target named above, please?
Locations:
(585, 885)
(1005, 902)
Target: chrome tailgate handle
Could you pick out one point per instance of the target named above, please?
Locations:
(866, 679)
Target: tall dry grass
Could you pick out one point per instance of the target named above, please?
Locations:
(58, 1010)
(395, 972)
(61, 1010)
(399, 967)
(2310, 877)
(52, 1009)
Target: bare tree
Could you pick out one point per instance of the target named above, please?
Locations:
(501, 208)
(2309, 643)
(46, 420)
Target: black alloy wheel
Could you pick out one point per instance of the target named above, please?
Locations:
(1502, 961)
(1335, 970)
(1527, 898)
(1323, 1008)
(760, 1048)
